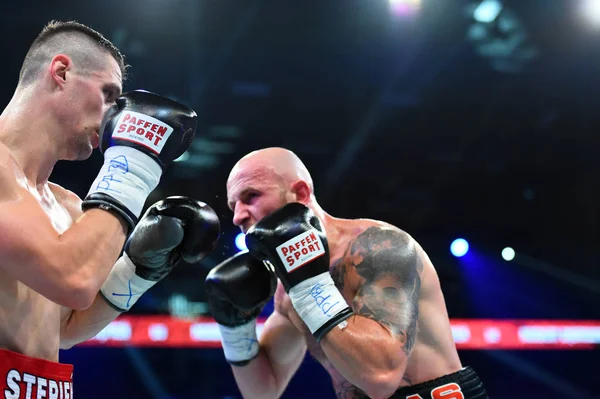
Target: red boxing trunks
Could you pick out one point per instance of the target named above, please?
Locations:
(24, 377)
(464, 384)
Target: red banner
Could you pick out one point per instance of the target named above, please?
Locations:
(164, 331)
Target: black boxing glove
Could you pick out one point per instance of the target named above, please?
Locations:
(172, 229)
(237, 290)
(294, 241)
(140, 135)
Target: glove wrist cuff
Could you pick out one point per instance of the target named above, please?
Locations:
(240, 343)
(123, 287)
(108, 203)
(319, 303)
(127, 175)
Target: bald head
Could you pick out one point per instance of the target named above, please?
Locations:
(265, 180)
(282, 163)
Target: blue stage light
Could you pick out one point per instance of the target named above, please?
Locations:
(459, 247)
(240, 242)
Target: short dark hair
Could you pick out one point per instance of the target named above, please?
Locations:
(71, 38)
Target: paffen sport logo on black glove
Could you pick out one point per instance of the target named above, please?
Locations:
(142, 129)
(293, 240)
(300, 250)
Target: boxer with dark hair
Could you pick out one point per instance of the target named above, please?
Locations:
(61, 281)
(361, 295)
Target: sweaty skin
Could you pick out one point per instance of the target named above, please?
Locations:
(400, 332)
(54, 258)
(29, 322)
(357, 260)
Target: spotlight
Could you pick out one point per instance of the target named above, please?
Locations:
(487, 11)
(240, 242)
(459, 247)
(590, 10)
(405, 7)
(508, 254)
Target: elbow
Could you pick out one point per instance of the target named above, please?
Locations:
(79, 293)
(383, 385)
(64, 344)
(74, 290)
(81, 296)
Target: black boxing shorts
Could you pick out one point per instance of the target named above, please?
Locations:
(464, 384)
(24, 377)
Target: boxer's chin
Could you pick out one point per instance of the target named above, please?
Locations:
(83, 151)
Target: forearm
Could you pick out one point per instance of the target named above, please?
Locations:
(87, 251)
(256, 379)
(91, 246)
(82, 325)
(367, 355)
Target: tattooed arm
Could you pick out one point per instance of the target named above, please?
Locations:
(372, 351)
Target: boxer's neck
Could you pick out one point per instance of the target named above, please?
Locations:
(25, 130)
(333, 228)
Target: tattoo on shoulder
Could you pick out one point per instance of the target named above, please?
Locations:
(388, 261)
(348, 391)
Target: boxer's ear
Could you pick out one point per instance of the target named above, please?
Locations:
(301, 191)
(59, 66)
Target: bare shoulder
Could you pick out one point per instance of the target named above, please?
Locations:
(365, 224)
(387, 263)
(379, 247)
(68, 199)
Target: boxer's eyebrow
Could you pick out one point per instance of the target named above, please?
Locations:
(115, 88)
(230, 204)
(231, 200)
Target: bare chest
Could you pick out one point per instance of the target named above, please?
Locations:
(57, 214)
(30, 322)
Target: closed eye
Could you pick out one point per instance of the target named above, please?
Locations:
(109, 96)
(111, 92)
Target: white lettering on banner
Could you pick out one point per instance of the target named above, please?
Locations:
(461, 334)
(46, 388)
(581, 334)
(492, 335)
(207, 332)
(158, 332)
(300, 250)
(116, 330)
(517, 334)
(559, 334)
(538, 334)
(142, 129)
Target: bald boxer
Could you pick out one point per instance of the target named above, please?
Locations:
(361, 295)
(60, 280)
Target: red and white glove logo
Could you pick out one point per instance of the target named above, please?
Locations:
(143, 130)
(300, 250)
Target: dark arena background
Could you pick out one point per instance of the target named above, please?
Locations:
(472, 125)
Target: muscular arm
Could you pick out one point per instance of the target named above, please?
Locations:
(372, 351)
(66, 268)
(80, 325)
(282, 349)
